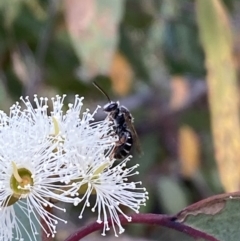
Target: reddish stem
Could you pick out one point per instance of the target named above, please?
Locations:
(153, 219)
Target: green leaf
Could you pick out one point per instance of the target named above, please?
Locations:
(25, 229)
(218, 216)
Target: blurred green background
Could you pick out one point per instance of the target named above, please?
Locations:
(148, 54)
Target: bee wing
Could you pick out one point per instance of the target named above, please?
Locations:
(129, 120)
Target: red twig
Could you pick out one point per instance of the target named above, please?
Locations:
(152, 219)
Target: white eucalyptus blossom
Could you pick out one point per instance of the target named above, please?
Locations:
(29, 139)
(30, 172)
(77, 132)
(113, 188)
(65, 156)
(87, 147)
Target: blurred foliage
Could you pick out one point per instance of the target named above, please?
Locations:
(223, 93)
(147, 53)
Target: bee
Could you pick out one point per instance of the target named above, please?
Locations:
(123, 126)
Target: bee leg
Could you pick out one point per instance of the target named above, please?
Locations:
(113, 153)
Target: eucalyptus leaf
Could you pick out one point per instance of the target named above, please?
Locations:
(24, 225)
(218, 216)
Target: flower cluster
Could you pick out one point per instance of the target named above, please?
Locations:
(47, 156)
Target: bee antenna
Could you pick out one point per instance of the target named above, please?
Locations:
(98, 87)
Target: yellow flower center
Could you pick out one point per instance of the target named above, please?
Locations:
(95, 179)
(21, 181)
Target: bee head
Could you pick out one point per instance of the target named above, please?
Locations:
(112, 106)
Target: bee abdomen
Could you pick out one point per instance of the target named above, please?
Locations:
(124, 149)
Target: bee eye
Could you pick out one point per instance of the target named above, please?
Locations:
(110, 107)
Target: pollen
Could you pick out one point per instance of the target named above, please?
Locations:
(26, 180)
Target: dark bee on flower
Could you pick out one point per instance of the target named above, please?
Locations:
(122, 125)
